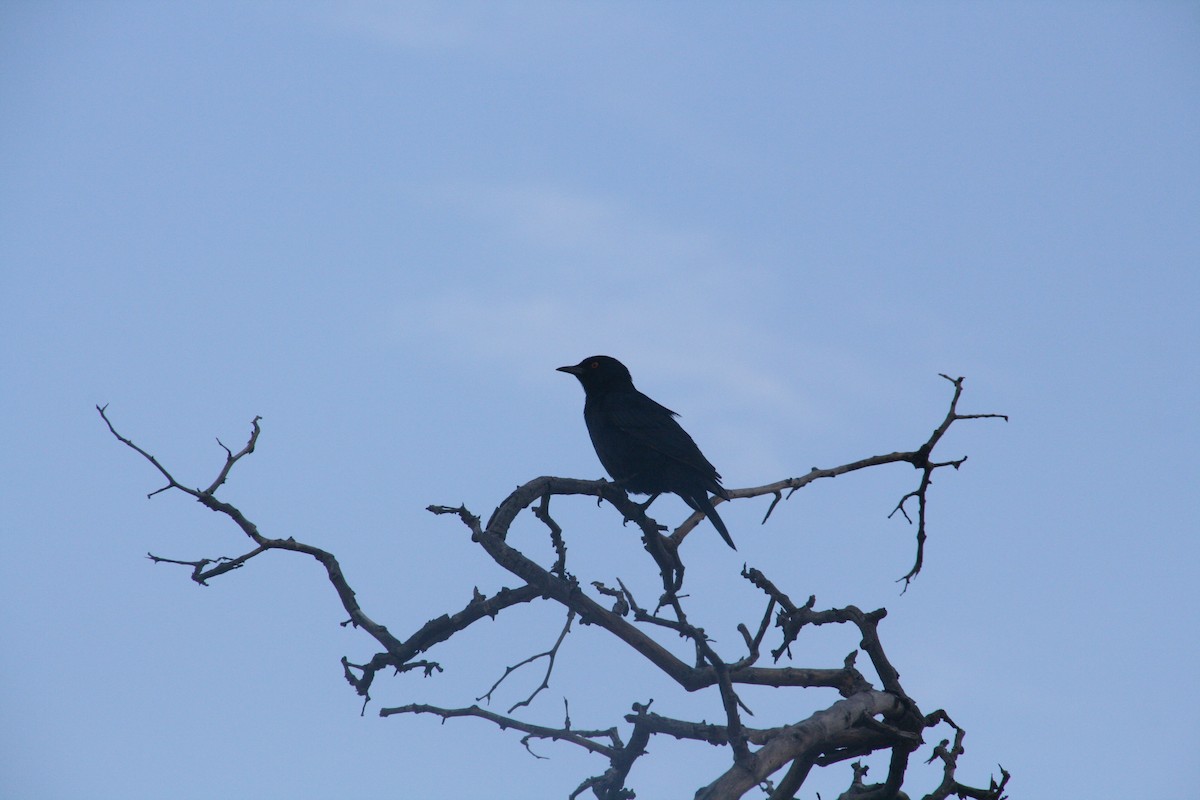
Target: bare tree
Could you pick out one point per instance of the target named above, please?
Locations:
(869, 717)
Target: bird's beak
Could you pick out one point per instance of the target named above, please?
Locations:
(575, 370)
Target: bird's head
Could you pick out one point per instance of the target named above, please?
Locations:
(600, 373)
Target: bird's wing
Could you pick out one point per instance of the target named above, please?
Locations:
(654, 426)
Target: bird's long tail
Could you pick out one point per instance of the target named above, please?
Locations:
(701, 502)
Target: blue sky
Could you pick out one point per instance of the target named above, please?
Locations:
(381, 227)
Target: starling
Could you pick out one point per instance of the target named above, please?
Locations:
(639, 442)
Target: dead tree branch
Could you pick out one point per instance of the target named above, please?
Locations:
(918, 458)
(867, 718)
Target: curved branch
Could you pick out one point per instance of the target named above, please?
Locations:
(821, 731)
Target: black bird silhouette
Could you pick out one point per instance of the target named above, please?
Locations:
(639, 442)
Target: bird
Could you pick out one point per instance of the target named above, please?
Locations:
(640, 444)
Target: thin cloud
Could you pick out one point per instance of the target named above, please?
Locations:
(587, 228)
